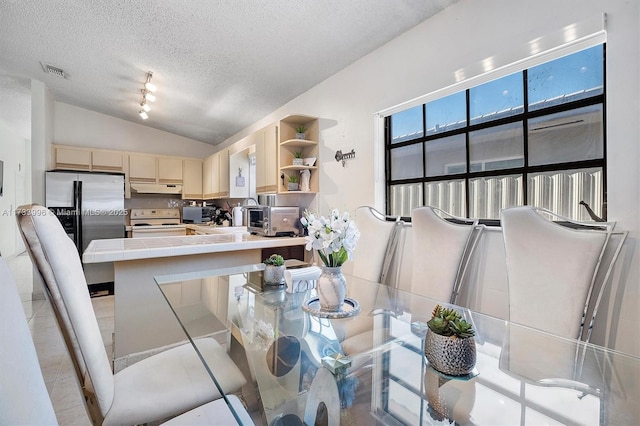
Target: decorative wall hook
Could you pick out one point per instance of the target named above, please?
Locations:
(346, 156)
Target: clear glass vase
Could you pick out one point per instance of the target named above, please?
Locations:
(332, 288)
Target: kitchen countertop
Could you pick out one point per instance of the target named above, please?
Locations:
(120, 249)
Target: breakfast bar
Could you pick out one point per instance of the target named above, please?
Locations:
(143, 321)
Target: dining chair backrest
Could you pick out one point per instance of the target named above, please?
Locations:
(377, 246)
(442, 247)
(552, 267)
(58, 263)
(23, 394)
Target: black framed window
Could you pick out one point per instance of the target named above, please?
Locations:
(533, 137)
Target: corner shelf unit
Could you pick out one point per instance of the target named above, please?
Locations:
(288, 143)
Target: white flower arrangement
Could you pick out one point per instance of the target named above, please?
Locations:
(334, 238)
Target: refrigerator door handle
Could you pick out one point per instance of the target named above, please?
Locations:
(77, 201)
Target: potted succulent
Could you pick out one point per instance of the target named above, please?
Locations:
(449, 345)
(293, 183)
(297, 158)
(274, 270)
(301, 132)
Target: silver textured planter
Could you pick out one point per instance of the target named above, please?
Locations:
(273, 275)
(450, 355)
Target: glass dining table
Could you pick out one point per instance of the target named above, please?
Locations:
(366, 366)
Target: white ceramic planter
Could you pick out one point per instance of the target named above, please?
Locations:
(332, 288)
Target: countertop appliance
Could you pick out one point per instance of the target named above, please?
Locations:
(270, 221)
(156, 223)
(191, 214)
(90, 206)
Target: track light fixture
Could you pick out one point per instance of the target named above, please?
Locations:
(147, 96)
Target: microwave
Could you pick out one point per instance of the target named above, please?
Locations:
(197, 214)
(270, 221)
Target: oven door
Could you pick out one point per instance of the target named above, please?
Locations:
(168, 231)
(256, 219)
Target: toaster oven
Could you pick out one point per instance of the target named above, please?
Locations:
(271, 221)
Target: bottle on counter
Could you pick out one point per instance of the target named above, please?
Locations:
(237, 215)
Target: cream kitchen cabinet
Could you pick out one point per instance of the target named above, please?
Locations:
(192, 179)
(143, 168)
(107, 161)
(215, 182)
(65, 157)
(266, 143)
(223, 173)
(169, 170)
(207, 178)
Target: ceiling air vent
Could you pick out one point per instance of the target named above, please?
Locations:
(50, 69)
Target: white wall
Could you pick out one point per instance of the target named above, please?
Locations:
(81, 127)
(458, 43)
(41, 136)
(14, 154)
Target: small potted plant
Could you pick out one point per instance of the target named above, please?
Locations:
(293, 183)
(274, 270)
(297, 158)
(449, 345)
(301, 132)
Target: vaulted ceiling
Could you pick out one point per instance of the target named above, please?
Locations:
(219, 65)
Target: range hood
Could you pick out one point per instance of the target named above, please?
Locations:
(156, 188)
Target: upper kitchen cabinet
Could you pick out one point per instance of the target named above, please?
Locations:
(143, 168)
(192, 179)
(215, 182)
(298, 153)
(107, 161)
(86, 159)
(169, 170)
(155, 169)
(266, 143)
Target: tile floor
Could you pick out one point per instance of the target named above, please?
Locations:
(54, 359)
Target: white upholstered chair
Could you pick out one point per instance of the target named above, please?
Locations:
(24, 399)
(552, 269)
(442, 247)
(154, 389)
(377, 246)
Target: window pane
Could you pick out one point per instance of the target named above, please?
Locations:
(566, 136)
(496, 99)
(406, 125)
(497, 148)
(406, 162)
(489, 195)
(566, 79)
(562, 191)
(447, 195)
(446, 156)
(404, 198)
(447, 113)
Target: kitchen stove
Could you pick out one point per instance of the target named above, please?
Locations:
(156, 223)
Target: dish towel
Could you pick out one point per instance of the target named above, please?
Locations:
(302, 279)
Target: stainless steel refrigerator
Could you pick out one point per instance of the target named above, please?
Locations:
(90, 206)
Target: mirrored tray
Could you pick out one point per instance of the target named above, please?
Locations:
(350, 308)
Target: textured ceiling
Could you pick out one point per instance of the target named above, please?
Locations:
(219, 65)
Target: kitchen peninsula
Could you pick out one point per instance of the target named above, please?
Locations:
(143, 320)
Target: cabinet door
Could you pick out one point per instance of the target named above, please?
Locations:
(142, 168)
(73, 159)
(169, 170)
(223, 173)
(266, 161)
(107, 161)
(207, 178)
(192, 179)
